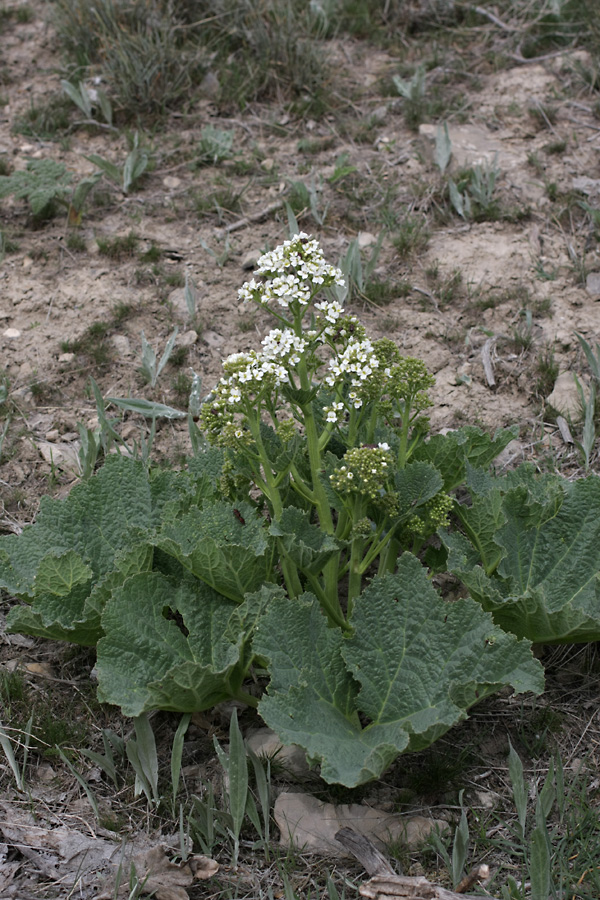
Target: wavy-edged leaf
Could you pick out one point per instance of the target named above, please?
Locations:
(413, 666)
(450, 452)
(223, 546)
(93, 530)
(547, 585)
(417, 483)
(306, 544)
(174, 646)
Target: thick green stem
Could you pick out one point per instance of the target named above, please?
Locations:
(330, 571)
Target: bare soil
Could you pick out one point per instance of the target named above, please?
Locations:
(511, 291)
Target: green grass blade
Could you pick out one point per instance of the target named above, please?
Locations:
(177, 752)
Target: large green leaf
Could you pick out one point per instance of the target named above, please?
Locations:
(224, 546)
(451, 452)
(412, 667)
(175, 646)
(77, 543)
(306, 544)
(546, 586)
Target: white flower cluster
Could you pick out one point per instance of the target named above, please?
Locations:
(359, 362)
(292, 270)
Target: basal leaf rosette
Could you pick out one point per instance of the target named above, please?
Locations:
(410, 670)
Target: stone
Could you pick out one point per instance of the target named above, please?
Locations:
(250, 259)
(12, 334)
(187, 339)
(265, 742)
(171, 182)
(592, 285)
(366, 239)
(310, 824)
(121, 344)
(61, 455)
(212, 338)
(565, 397)
(267, 164)
(66, 357)
(471, 146)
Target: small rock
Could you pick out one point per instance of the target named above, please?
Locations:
(250, 259)
(366, 239)
(592, 285)
(210, 86)
(121, 344)
(27, 263)
(171, 182)
(187, 339)
(565, 397)
(267, 164)
(265, 742)
(212, 338)
(379, 114)
(485, 799)
(66, 357)
(12, 333)
(53, 434)
(61, 455)
(587, 185)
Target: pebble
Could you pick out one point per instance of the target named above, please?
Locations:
(11, 333)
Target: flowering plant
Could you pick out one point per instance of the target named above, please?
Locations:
(325, 421)
(293, 547)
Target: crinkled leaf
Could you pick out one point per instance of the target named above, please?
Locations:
(546, 586)
(175, 646)
(417, 483)
(413, 666)
(92, 530)
(59, 574)
(30, 620)
(307, 545)
(450, 452)
(225, 547)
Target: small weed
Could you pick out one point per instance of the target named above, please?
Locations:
(536, 163)
(76, 242)
(313, 146)
(544, 114)
(181, 387)
(555, 148)
(13, 688)
(222, 200)
(547, 370)
(175, 279)
(152, 254)
(412, 236)
(246, 324)
(46, 120)
(381, 293)
(119, 247)
(121, 312)
(42, 392)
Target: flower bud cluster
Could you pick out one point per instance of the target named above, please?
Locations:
(366, 471)
(431, 516)
(292, 272)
